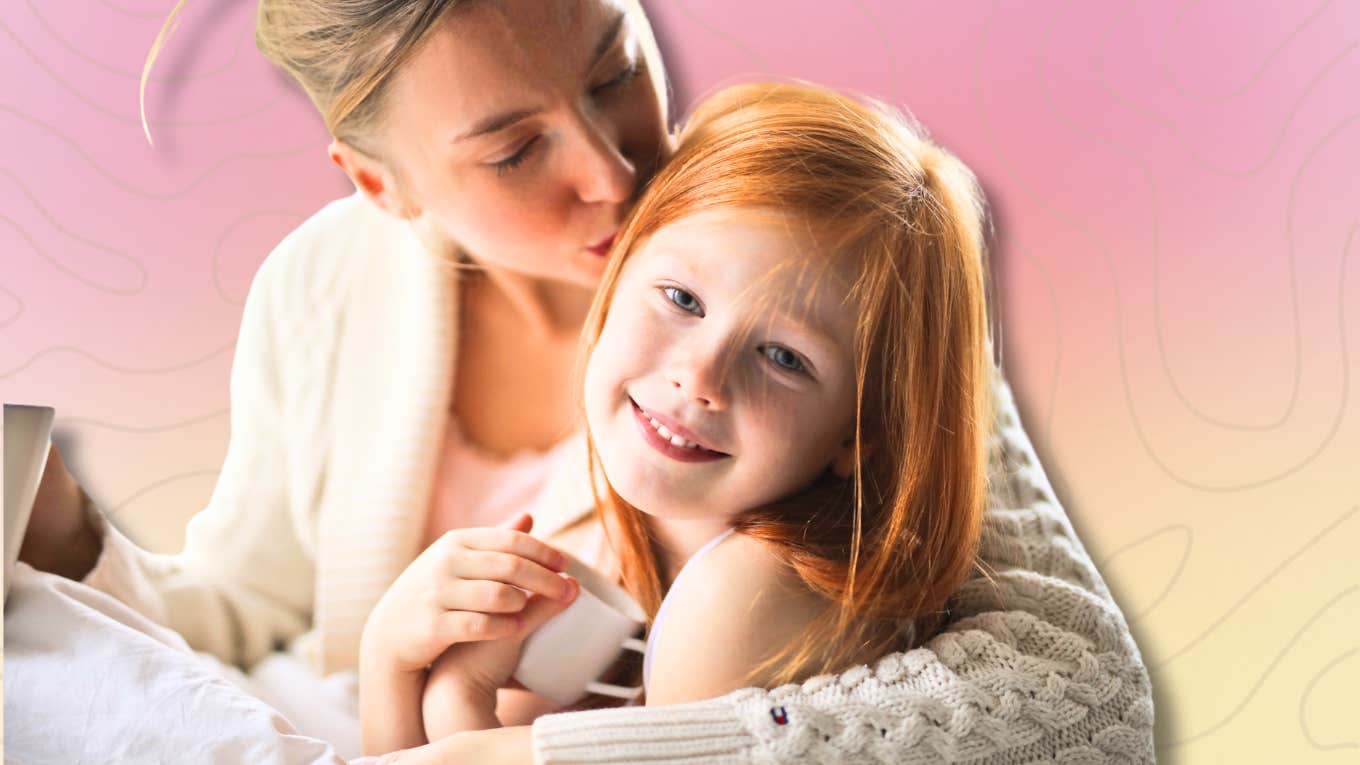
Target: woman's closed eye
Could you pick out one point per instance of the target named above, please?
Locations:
(516, 159)
(619, 80)
(625, 76)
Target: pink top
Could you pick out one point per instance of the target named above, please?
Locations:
(473, 488)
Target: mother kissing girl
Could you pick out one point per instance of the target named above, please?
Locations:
(401, 395)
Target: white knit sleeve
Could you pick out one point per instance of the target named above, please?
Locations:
(1036, 665)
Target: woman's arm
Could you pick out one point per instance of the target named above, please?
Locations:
(1039, 665)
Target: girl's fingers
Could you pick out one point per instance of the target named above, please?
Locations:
(522, 522)
(514, 543)
(510, 569)
(471, 626)
(539, 610)
(482, 595)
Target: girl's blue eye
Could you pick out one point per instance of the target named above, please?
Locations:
(683, 300)
(784, 358)
(514, 160)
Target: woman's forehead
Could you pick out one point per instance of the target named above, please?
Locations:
(498, 57)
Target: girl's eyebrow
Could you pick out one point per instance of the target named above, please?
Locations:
(497, 122)
(812, 331)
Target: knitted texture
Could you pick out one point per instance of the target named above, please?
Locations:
(1036, 665)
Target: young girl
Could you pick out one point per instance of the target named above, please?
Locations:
(787, 395)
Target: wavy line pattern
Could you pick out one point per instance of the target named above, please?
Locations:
(1303, 706)
(57, 263)
(19, 307)
(1255, 589)
(120, 368)
(293, 217)
(1169, 73)
(136, 74)
(118, 508)
(1140, 545)
(155, 13)
(1256, 687)
(129, 118)
(82, 422)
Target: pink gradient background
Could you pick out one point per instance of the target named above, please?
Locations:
(1176, 202)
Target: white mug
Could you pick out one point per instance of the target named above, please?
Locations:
(563, 659)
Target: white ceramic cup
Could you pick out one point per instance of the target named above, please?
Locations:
(563, 659)
(28, 436)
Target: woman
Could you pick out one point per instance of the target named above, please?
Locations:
(403, 370)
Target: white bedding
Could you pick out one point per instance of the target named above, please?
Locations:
(89, 680)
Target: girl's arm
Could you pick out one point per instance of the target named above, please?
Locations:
(736, 606)
(389, 708)
(462, 690)
(1037, 664)
(451, 705)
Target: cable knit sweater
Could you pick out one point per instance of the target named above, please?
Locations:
(347, 347)
(1036, 665)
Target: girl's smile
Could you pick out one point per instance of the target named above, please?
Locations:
(726, 350)
(672, 440)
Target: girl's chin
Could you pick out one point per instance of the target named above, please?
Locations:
(670, 506)
(650, 499)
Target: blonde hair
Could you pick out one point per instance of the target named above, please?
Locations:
(343, 52)
(895, 540)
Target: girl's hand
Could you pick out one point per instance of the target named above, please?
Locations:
(460, 693)
(59, 538)
(467, 586)
(498, 746)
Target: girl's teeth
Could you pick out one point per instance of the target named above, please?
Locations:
(669, 436)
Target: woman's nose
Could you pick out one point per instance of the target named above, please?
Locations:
(604, 174)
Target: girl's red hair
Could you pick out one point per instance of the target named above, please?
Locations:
(894, 541)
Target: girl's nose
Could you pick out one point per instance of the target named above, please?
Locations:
(699, 378)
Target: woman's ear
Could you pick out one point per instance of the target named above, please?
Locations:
(374, 178)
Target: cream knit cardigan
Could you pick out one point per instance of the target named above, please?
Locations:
(339, 389)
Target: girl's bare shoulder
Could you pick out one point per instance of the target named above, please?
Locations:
(736, 606)
(751, 564)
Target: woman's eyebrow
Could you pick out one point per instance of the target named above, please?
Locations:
(611, 33)
(504, 120)
(496, 122)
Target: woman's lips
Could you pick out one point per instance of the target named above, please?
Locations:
(601, 247)
(678, 453)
